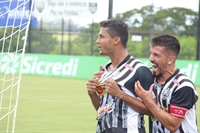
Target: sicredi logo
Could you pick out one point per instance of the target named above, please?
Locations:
(32, 65)
(9, 63)
(191, 71)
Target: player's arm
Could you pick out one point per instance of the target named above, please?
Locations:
(134, 103)
(181, 100)
(91, 88)
(144, 75)
(113, 89)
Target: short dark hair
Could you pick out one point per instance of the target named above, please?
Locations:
(170, 43)
(117, 27)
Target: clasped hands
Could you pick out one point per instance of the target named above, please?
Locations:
(111, 87)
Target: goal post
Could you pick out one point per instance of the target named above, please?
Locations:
(15, 18)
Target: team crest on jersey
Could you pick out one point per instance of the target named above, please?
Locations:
(165, 94)
(157, 86)
(101, 89)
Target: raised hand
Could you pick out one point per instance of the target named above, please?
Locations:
(92, 85)
(112, 88)
(99, 73)
(144, 95)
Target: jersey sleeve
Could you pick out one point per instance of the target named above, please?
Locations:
(145, 77)
(184, 97)
(181, 101)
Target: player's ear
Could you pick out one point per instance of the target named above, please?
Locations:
(172, 59)
(116, 40)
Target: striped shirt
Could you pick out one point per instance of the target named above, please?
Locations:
(121, 118)
(178, 97)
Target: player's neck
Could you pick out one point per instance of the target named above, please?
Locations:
(111, 68)
(167, 74)
(117, 59)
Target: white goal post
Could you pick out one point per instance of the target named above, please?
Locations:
(15, 18)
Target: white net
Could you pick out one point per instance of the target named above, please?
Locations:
(15, 16)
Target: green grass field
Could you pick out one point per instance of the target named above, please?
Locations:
(50, 104)
(56, 105)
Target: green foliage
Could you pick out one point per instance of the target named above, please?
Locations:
(188, 47)
(176, 20)
(83, 43)
(42, 43)
(147, 22)
(11, 39)
(139, 49)
(157, 21)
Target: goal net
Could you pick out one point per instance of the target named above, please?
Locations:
(15, 16)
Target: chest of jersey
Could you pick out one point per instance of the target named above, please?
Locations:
(163, 96)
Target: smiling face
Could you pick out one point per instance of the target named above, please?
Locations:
(105, 42)
(164, 51)
(159, 59)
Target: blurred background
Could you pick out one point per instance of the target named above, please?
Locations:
(68, 27)
(61, 54)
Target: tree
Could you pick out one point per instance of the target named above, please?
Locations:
(174, 20)
(11, 39)
(42, 42)
(148, 23)
(82, 44)
(188, 47)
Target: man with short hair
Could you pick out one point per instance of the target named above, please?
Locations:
(175, 93)
(112, 94)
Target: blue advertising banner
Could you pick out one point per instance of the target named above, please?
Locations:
(15, 13)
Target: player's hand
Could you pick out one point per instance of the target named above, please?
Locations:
(143, 94)
(100, 73)
(92, 85)
(112, 88)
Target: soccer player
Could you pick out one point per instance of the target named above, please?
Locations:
(175, 93)
(112, 94)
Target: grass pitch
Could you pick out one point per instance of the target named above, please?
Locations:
(54, 105)
(57, 105)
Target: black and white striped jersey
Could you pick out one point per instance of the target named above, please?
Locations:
(178, 97)
(121, 118)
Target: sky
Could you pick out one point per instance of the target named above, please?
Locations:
(120, 6)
